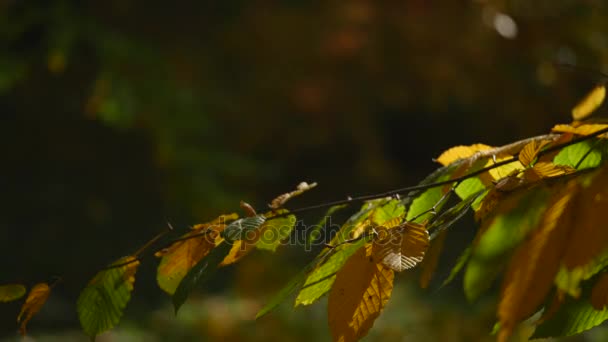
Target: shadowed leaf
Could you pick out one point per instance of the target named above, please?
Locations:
(199, 274)
(101, 304)
(33, 303)
(11, 292)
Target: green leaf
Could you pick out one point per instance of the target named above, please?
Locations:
(11, 292)
(101, 304)
(573, 317)
(593, 152)
(393, 209)
(199, 274)
(470, 187)
(238, 229)
(422, 201)
(514, 218)
(367, 209)
(274, 231)
(320, 280)
(315, 232)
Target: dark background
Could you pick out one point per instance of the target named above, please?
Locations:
(117, 117)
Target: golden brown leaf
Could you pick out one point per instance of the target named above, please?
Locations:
(530, 151)
(590, 103)
(401, 247)
(431, 259)
(532, 269)
(599, 293)
(240, 248)
(361, 289)
(584, 129)
(460, 152)
(543, 169)
(181, 256)
(33, 303)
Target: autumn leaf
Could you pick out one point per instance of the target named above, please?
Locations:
(101, 304)
(590, 103)
(530, 151)
(460, 152)
(530, 274)
(11, 292)
(584, 129)
(273, 231)
(33, 303)
(181, 256)
(362, 288)
(401, 247)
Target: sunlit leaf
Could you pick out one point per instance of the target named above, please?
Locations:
(402, 247)
(320, 280)
(423, 201)
(362, 288)
(584, 129)
(199, 274)
(590, 103)
(11, 292)
(530, 151)
(461, 152)
(530, 274)
(393, 209)
(583, 155)
(38, 295)
(101, 304)
(509, 224)
(543, 170)
(273, 231)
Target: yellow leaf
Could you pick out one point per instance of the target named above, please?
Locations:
(401, 247)
(460, 152)
(543, 169)
(506, 170)
(532, 269)
(11, 292)
(180, 257)
(33, 303)
(362, 287)
(584, 129)
(599, 293)
(530, 151)
(590, 103)
(239, 249)
(431, 259)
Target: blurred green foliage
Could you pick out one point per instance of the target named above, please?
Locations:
(118, 116)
